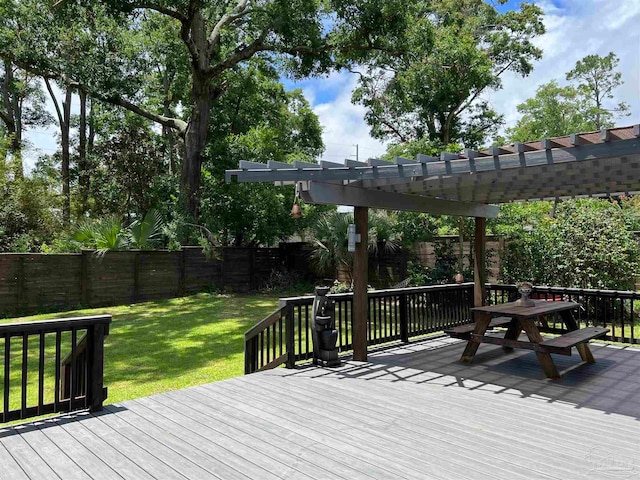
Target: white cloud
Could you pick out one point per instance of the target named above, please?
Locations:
(344, 126)
(574, 29)
(577, 29)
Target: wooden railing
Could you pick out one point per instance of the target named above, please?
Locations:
(284, 337)
(39, 380)
(617, 310)
(268, 344)
(401, 314)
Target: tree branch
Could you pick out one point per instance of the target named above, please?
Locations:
(238, 12)
(173, 123)
(160, 9)
(47, 82)
(5, 118)
(394, 130)
(188, 41)
(461, 107)
(240, 54)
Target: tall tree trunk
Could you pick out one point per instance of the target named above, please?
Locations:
(64, 120)
(65, 128)
(445, 131)
(194, 141)
(196, 133)
(195, 136)
(16, 144)
(167, 132)
(92, 128)
(12, 116)
(84, 177)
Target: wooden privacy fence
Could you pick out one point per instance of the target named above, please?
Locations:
(31, 283)
(53, 366)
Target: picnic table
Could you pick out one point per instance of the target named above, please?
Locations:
(517, 318)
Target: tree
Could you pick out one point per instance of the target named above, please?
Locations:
(553, 112)
(64, 123)
(457, 51)
(21, 106)
(596, 79)
(130, 166)
(302, 36)
(27, 208)
(257, 118)
(586, 245)
(579, 107)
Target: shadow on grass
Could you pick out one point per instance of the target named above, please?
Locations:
(169, 339)
(169, 344)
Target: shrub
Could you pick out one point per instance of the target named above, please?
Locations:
(586, 245)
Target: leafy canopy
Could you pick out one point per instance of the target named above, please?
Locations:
(581, 106)
(586, 244)
(457, 50)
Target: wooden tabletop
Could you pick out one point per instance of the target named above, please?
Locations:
(513, 310)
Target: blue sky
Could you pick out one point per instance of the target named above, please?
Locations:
(575, 28)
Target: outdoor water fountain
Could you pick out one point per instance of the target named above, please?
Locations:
(323, 331)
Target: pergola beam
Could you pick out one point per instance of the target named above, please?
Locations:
(331, 194)
(372, 175)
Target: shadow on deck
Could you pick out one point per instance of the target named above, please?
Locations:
(611, 385)
(412, 412)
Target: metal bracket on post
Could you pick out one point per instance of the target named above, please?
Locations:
(353, 238)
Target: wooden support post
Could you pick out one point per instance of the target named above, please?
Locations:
(136, 276)
(96, 392)
(479, 261)
(291, 339)
(20, 287)
(404, 320)
(360, 280)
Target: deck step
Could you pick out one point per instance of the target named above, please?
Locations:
(464, 331)
(576, 337)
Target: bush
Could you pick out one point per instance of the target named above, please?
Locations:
(284, 280)
(586, 245)
(418, 274)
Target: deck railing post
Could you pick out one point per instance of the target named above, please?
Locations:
(249, 355)
(290, 333)
(96, 393)
(404, 318)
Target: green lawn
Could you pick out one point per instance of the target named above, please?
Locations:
(164, 345)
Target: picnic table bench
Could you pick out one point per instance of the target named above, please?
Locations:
(519, 318)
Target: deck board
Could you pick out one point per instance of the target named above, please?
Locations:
(412, 412)
(10, 470)
(126, 468)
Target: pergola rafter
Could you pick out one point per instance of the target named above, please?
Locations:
(592, 164)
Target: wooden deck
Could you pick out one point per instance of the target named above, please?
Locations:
(413, 413)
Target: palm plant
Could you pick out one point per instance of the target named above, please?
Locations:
(143, 232)
(329, 238)
(110, 234)
(102, 235)
(383, 237)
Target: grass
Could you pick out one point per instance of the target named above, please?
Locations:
(159, 346)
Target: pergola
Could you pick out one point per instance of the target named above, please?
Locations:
(593, 164)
